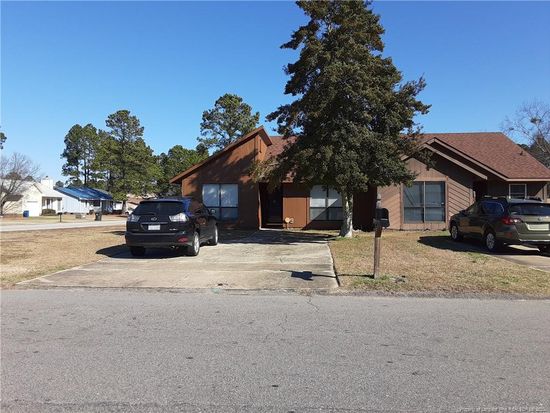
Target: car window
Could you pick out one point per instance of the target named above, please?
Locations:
(472, 209)
(159, 208)
(530, 209)
(492, 208)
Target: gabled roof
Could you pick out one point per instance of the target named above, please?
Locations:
(26, 185)
(493, 151)
(47, 192)
(89, 194)
(260, 130)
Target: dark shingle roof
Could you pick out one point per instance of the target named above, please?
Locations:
(496, 151)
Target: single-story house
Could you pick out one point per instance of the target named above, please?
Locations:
(465, 167)
(83, 200)
(33, 197)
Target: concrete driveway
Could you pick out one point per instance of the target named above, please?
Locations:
(267, 259)
(530, 257)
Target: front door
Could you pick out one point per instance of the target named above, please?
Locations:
(275, 206)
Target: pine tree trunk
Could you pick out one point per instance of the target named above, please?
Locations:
(124, 207)
(347, 209)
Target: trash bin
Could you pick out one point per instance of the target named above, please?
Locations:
(25, 214)
(98, 216)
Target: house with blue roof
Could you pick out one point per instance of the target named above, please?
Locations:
(83, 200)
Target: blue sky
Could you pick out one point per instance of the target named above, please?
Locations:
(76, 62)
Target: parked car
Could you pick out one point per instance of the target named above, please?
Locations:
(173, 222)
(499, 221)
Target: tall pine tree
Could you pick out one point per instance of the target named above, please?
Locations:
(128, 162)
(350, 105)
(81, 145)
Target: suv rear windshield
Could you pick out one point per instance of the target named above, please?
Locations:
(530, 209)
(160, 208)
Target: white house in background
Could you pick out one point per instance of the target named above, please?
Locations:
(33, 197)
(82, 200)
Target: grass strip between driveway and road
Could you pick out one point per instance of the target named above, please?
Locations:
(429, 261)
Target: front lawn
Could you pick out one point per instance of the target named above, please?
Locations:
(431, 262)
(29, 254)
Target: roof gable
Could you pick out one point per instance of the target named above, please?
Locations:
(494, 151)
(258, 131)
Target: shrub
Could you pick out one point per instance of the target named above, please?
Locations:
(49, 212)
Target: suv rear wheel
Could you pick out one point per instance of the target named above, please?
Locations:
(455, 234)
(194, 248)
(490, 241)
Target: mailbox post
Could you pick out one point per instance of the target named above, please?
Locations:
(381, 220)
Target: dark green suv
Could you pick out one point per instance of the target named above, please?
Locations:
(500, 221)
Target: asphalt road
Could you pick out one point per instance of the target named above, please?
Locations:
(114, 350)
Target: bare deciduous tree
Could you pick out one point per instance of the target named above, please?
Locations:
(15, 171)
(531, 122)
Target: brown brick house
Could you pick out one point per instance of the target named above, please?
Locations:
(466, 166)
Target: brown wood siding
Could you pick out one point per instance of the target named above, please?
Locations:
(391, 199)
(231, 168)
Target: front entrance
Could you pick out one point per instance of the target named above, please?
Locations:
(272, 207)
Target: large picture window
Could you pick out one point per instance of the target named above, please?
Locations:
(518, 191)
(424, 202)
(325, 204)
(223, 199)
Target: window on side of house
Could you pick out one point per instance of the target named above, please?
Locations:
(517, 191)
(424, 202)
(223, 199)
(325, 204)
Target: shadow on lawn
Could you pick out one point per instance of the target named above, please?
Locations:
(470, 245)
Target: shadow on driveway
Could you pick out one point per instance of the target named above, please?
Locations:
(227, 237)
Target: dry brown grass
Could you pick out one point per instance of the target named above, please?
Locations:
(29, 254)
(431, 262)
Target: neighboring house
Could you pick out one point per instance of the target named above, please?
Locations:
(466, 166)
(132, 201)
(33, 197)
(82, 200)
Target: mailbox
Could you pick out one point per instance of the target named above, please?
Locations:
(382, 217)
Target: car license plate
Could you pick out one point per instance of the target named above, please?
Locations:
(154, 227)
(537, 227)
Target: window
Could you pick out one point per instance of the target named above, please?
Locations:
(492, 208)
(424, 202)
(223, 199)
(325, 204)
(518, 191)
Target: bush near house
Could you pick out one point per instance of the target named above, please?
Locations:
(49, 212)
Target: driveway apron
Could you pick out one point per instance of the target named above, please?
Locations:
(266, 259)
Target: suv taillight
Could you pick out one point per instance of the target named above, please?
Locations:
(181, 217)
(510, 220)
